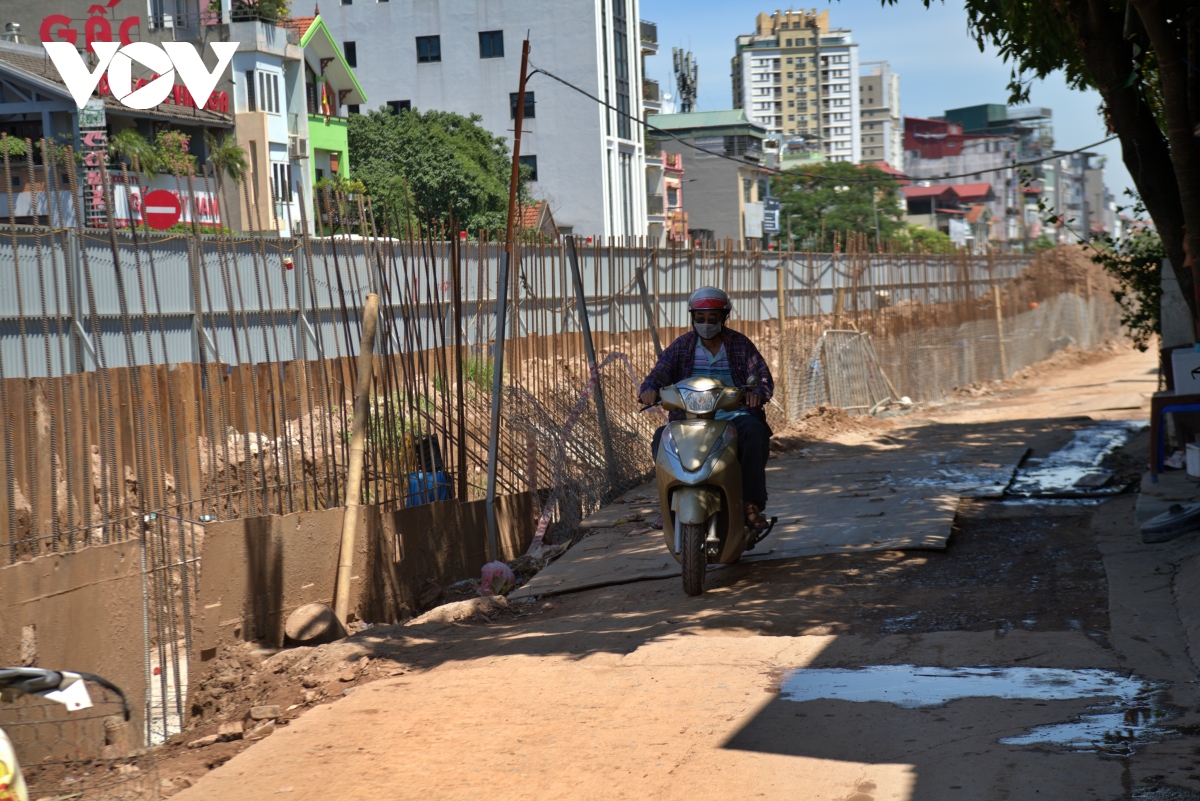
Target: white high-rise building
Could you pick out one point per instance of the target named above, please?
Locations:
(799, 79)
(882, 125)
(588, 162)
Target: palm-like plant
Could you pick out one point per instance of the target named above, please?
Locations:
(226, 155)
(132, 145)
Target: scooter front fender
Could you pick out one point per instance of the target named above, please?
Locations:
(695, 504)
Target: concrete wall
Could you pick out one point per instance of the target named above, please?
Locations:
(79, 611)
(259, 570)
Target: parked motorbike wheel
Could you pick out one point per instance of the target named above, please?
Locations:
(695, 557)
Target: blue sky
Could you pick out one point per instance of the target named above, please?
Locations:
(940, 66)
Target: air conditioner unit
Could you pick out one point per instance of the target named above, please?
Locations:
(297, 147)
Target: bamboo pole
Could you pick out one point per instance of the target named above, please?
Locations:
(354, 472)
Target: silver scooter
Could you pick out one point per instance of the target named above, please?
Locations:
(700, 480)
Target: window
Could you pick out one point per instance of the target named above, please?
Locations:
(531, 163)
(347, 2)
(530, 107)
(399, 105)
(789, 42)
(429, 49)
(621, 70)
(746, 184)
(251, 103)
(281, 182)
(350, 51)
(268, 92)
(262, 91)
(353, 108)
(491, 44)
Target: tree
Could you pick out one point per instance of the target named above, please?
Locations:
(432, 165)
(1136, 55)
(227, 156)
(171, 149)
(130, 144)
(839, 196)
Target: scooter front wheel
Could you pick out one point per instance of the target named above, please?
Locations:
(694, 557)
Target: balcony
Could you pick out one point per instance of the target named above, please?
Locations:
(649, 37)
(654, 205)
(650, 92)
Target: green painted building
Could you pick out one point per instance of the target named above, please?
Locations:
(332, 89)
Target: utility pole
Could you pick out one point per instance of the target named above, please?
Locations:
(502, 281)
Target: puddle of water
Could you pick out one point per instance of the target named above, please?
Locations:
(913, 687)
(1125, 721)
(1059, 472)
(1117, 731)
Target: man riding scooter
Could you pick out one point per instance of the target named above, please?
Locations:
(712, 350)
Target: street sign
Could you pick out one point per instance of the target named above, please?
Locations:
(771, 215)
(161, 209)
(92, 114)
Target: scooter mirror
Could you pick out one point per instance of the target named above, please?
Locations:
(730, 400)
(670, 398)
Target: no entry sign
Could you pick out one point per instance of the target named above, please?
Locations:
(162, 209)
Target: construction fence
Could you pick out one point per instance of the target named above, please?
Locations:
(153, 384)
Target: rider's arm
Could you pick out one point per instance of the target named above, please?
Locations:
(666, 370)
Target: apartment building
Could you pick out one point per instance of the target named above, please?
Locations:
(588, 162)
(882, 126)
(799, 79)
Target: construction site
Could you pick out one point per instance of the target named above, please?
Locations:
(188, 417)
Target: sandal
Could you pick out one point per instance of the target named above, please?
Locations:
(754, 519)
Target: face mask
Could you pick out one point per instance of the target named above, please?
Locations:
(707, 330)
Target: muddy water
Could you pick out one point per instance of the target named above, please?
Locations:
(1129, 715)
(1064, 470)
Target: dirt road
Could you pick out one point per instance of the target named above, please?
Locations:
(840, 676)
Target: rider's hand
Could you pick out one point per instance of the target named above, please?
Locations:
(649, 397)
(753, 400)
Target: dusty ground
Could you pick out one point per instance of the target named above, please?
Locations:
(637, 691)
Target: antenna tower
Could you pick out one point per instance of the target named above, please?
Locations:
(685, 78)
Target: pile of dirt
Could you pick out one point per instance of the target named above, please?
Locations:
(822, 423)
(1066, 268)
(1068, 358)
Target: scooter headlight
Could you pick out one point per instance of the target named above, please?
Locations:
(699, 401)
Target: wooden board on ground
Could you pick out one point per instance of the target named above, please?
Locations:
(900, 491)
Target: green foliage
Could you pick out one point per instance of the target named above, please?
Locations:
(924, 240)
(172, 149)
(1136, 264)
(13, 146)
(128, 143)
(839, 196)
(227, 156)
(1043, 242)
(267, 10)
(431, 165)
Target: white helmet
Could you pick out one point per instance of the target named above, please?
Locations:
(709, 297)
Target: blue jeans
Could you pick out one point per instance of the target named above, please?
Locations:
(754, 446)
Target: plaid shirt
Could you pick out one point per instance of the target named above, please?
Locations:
(675, 364)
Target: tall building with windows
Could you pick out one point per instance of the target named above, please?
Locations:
(798, 78)
(879, 103)
(588, 161)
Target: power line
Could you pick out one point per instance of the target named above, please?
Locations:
(891, 177)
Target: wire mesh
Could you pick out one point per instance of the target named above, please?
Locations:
(91, 754)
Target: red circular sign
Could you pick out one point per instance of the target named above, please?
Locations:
(161, 209)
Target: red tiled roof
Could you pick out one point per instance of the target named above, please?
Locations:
(527, 216)
(299, 24)
(975, 212)
(912, 192)
(972, 191)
